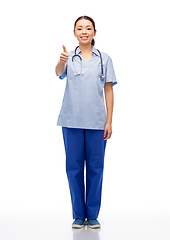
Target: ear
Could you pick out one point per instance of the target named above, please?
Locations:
(95, 33)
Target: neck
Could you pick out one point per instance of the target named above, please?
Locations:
(85, 48)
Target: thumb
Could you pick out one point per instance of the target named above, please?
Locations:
(64, 49)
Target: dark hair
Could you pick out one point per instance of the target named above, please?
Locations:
(91, 20)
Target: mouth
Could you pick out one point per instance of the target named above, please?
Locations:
(84, 37)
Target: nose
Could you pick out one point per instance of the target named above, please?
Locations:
(84, 30)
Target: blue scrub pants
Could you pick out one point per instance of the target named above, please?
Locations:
(80, 145)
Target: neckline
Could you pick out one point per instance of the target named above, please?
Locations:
(87, 60)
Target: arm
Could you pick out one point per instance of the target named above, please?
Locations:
(60, 68)
(109, 97)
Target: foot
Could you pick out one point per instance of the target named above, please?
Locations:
(93, 223)
(78, 223)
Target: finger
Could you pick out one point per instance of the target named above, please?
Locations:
(64, 54)
(64, 49)
(63, 59)
(104, 135)
(105, 139)
(108, 136)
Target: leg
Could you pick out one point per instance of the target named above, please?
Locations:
(75, 155)
(95, 150)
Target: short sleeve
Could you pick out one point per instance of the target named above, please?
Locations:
(65, 73)
(110, 73)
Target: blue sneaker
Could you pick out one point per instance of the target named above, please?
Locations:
(93, 223)
(78, 223)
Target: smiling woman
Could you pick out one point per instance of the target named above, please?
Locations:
(85, 125)
(85, 29)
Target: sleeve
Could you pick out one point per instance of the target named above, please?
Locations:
(110, 73)
(65, 73)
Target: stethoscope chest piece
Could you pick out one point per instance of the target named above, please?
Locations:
(102, 77)
(76, 74)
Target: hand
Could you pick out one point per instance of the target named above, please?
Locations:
(108, 129)
(64, 55)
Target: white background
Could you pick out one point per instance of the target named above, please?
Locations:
(32, 159)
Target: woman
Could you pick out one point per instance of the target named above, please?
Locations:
(85, 125)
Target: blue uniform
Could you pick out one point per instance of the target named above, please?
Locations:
(81, 145)
(83, 103)
(83, 119)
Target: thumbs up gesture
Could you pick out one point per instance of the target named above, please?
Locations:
(64, 55)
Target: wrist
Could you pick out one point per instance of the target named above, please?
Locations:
(62, 63)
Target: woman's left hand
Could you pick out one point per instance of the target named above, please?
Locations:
(108, 129)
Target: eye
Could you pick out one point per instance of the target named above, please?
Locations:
(88, 28)
(79, 29)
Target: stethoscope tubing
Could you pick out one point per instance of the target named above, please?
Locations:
(76, 55)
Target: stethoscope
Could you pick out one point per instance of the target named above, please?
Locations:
(76, 55)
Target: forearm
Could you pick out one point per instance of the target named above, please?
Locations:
(109, 98)
(60, 68)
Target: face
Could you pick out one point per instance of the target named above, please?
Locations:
(84, 31)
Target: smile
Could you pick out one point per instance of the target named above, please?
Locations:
(84, 38)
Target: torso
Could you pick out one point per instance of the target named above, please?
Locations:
(83, 103)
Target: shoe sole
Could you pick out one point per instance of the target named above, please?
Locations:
(94, 226)
(76, 226)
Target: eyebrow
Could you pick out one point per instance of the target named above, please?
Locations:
(86, 26)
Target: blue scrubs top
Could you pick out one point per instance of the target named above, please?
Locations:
(83, 102)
